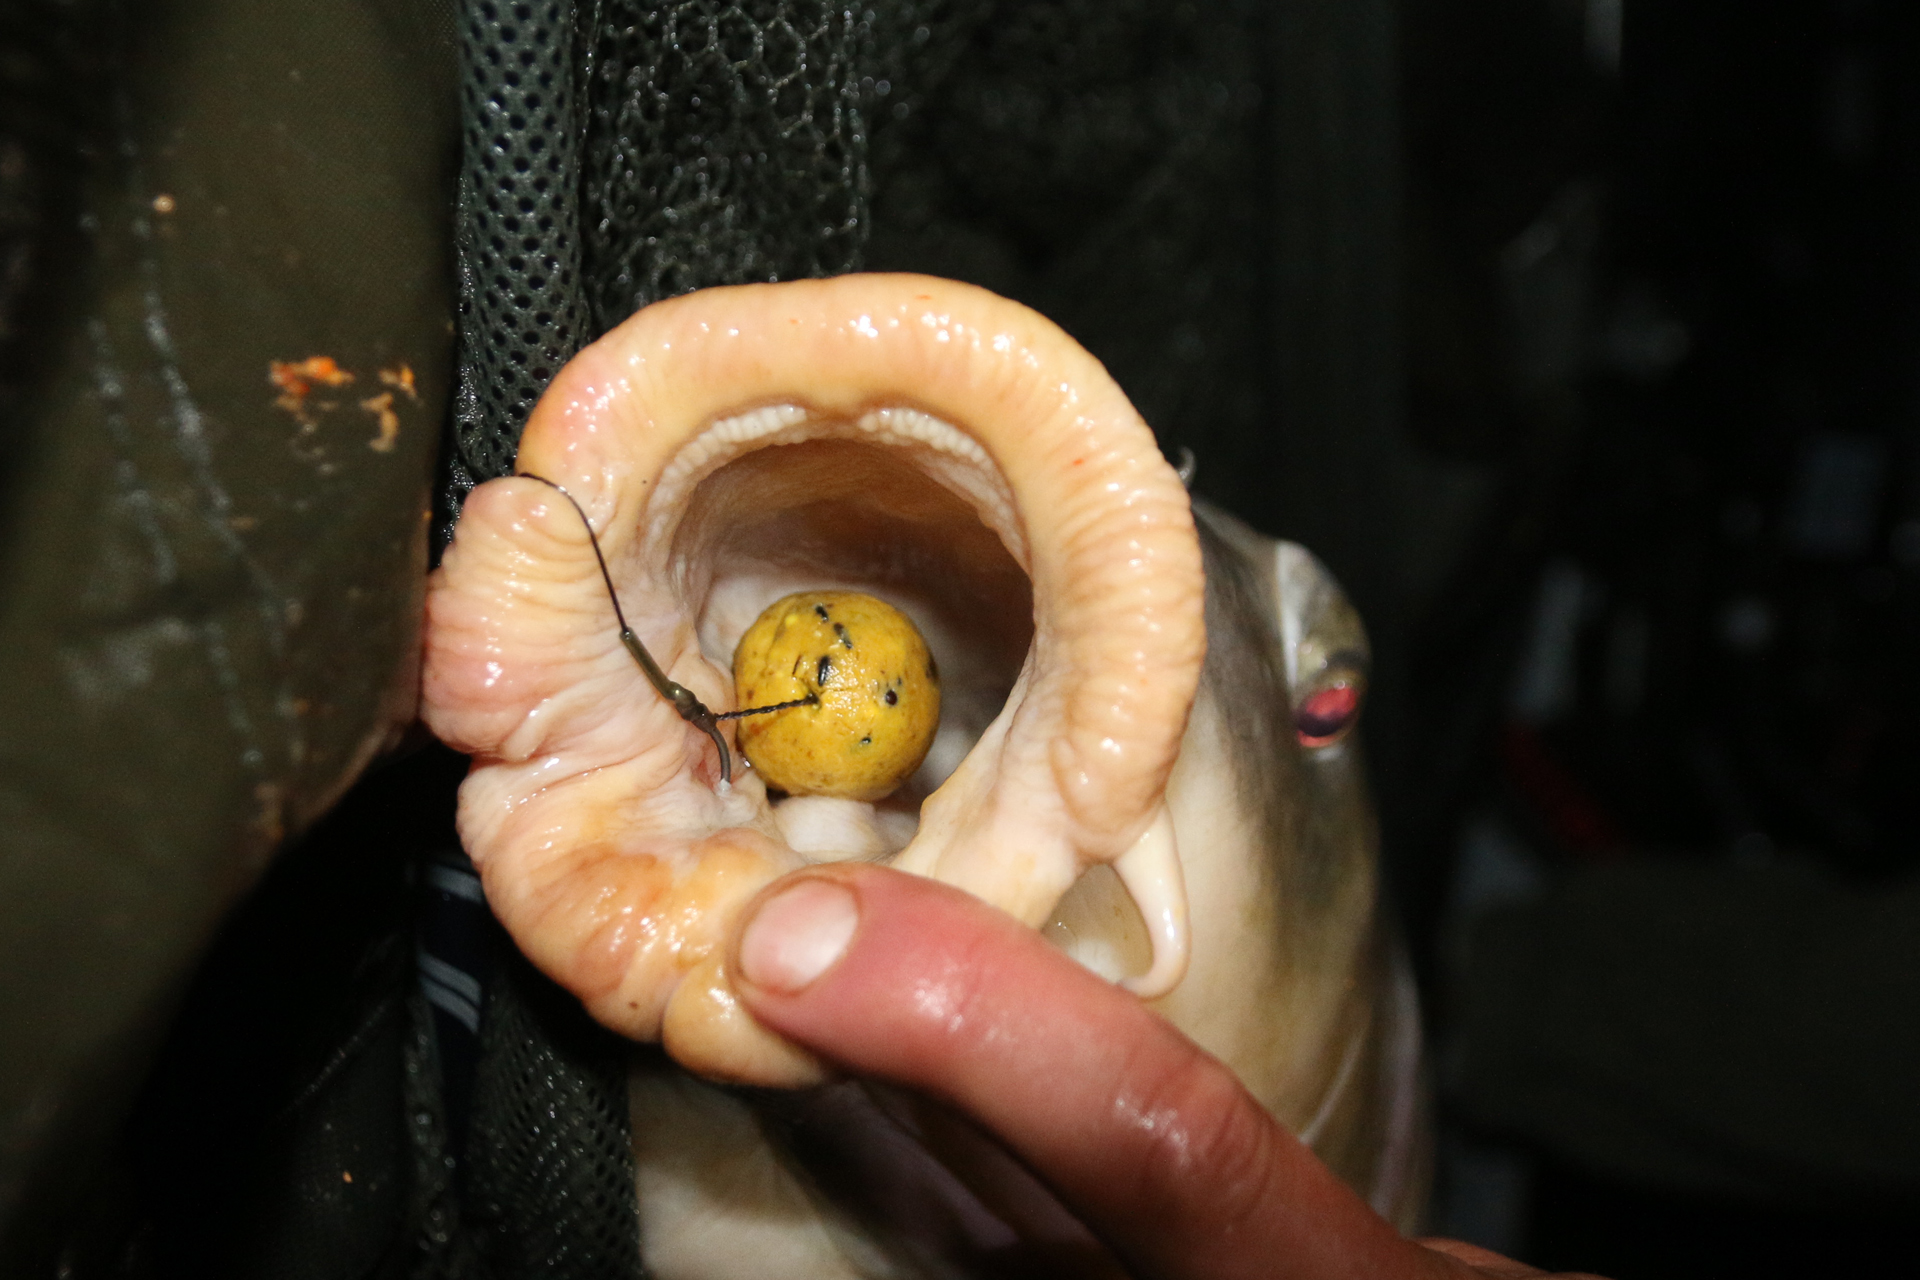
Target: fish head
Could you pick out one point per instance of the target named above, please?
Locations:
(1148, 712)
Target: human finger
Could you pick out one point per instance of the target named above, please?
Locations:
(1151, 1141)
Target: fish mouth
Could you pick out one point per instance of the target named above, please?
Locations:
(925, 442)
(895, 504)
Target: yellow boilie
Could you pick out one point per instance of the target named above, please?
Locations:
(875, 691)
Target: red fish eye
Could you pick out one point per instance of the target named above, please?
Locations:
(1325, 713)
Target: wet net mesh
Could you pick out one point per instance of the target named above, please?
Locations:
(548, 1187)
(1097, 159)
(523, 310)
(1102, 162)
(710, 127)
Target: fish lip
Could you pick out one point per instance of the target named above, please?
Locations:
(1071, 771)
(1058, 428)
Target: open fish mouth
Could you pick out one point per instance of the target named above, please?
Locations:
(925, 442)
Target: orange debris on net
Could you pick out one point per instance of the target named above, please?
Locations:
(297, 378)
(400, 377)
(381, 407)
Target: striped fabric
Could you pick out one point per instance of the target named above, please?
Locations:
(456, 949)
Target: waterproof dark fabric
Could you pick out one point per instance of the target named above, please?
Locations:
(209, 586)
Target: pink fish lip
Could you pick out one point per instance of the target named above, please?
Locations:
(944, 448)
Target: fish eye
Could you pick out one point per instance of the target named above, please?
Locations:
(1325, 715)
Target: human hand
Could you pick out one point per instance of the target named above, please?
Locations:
(1151, 1142)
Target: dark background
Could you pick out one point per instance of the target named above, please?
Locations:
(1651, 805)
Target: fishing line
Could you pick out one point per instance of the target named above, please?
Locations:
(689, 707)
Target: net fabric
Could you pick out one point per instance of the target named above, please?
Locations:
(549, 1177)
(725, 144)
(620, 153)
(544, 1185)
(523, 312)
(1104, 162)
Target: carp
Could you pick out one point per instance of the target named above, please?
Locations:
(1145, 744)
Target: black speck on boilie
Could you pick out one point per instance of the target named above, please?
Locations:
(867, 741)
(893, 699)
(841, 631)
(824, 670)
(822, 611)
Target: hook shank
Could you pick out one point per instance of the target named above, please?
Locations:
(689, 707)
